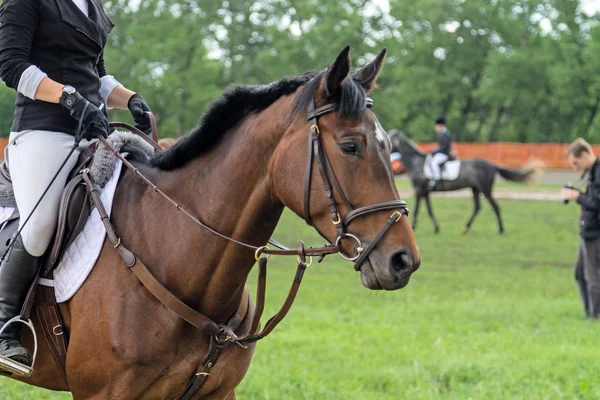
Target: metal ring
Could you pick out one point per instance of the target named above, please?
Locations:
(309, 261)
(259, 251)
(316, 128)
(399, 215)
(359, 249)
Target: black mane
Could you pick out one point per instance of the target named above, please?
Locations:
(242, 101)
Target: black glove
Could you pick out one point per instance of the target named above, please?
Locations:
(138, 107)
(93, 123)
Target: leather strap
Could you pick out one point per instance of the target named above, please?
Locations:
(167, 298)
(126, 255)
(285, 308)
(142, 272)
(140, 133)
(318, 153)
(308, 178)
(395, 217)
(261, 287)
(153, 126)
(388, 205)
(53, 327)
(317, 251)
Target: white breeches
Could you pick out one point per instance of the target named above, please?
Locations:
(436, 160)
(33, 158)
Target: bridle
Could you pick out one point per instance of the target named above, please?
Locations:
(316, 150)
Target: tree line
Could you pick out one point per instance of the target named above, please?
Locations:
(498, 70)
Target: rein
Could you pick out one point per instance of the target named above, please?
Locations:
(223, 334)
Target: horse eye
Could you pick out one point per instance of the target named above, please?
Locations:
(349, 148)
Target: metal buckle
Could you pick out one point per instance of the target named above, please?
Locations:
(359, 248)
(396, 213)
(316, 128)
(307, 264)
(339, 219)
(57, 330)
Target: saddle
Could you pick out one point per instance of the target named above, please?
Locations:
(449, 169)
(74, 210)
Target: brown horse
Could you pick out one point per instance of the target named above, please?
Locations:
(237, 171)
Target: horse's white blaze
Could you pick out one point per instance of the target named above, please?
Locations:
(382, 136)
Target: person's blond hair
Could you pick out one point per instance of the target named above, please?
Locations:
(578, 146)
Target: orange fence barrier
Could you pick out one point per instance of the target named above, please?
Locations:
(3, 144)
(512, 154)
(508, 154)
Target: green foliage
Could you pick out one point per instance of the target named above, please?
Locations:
(504, 70)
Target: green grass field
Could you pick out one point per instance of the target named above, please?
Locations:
(486, 317)
(404, 184)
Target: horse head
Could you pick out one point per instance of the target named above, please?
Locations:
(341, 181)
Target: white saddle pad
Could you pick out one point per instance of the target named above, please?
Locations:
(450, 169)
(81, 256)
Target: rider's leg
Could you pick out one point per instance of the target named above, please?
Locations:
(34, 157)
(436, 160)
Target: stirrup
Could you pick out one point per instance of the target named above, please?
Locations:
(12, 366)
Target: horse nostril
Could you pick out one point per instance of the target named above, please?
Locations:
(401, 262)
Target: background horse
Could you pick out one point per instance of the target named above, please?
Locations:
(237, 171)
(477, 174)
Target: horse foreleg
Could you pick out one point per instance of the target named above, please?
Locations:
(496, 208)
(436, 225)
(416, 213)
(477, 202)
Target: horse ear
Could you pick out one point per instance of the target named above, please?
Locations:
(337, 73)
(367, 75)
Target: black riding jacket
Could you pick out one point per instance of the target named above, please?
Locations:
(444, 142)
(57, 37)
(590, 205)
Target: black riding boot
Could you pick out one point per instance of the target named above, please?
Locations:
(16, 275)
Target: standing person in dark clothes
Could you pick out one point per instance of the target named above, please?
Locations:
(587, 269)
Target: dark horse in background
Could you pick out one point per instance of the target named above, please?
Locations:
(477, 174)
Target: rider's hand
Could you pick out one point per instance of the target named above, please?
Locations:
(139, 108)
(93, 123)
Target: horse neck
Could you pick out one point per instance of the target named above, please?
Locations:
(230, 189)
(411, 158)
